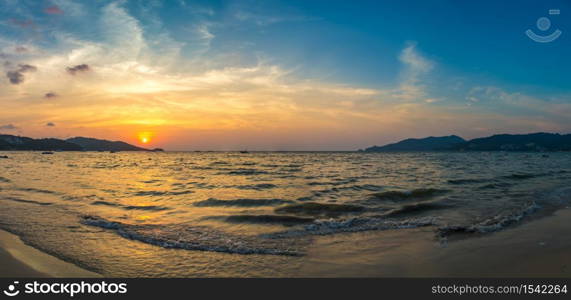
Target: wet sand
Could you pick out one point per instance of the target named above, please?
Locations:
(20, 260)
(539, 248)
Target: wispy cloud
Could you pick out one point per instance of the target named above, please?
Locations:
(53, 10)
(266, 19)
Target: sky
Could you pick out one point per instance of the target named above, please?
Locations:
(282, 75)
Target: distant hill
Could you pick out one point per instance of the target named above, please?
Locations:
(20, 143)
(17, 143)
(91, 144)
(425, 144)
(501, 142)
(519, 142)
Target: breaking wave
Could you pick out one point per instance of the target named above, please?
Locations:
(200, 238)
(352, 225)
(492, 224)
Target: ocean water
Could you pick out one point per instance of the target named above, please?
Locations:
(256, 214)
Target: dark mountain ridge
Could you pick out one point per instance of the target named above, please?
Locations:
(500, 142)
(91, 144)
(425, 144)
(20, 143)
(11, 142)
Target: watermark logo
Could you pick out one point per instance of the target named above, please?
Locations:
(70, 289)
(544, 24)
(12, 291)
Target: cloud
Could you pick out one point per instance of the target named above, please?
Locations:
(27, 68)
(21, 23)
(415, 67)
(53, 10)
(8, 127)
(21, 49)
(17, 76)
(78, 69)
(50, 124)
(415, 63)
(265, 20)
(50, 95)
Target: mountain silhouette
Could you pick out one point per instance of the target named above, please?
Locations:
(501, 142)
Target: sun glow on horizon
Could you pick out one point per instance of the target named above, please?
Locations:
(145, 137)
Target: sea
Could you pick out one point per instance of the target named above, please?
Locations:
(258, 214)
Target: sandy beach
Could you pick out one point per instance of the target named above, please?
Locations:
(20, 260)
(538, 248)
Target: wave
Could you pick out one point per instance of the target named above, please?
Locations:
(162, 193)
(105, 203)
(26, 201)
(416, 208)
(492, 224)
(467, 181)
(246, 172)
(335, 182)
(265, 219)
(365, 187)
(34, 190)
(131, 207)
(315, 208)
(521, 176)
(241, 202)
(261, 186)
(494, 185)
(352, 225)
(408, 195)
(199, 238)
(152, 181)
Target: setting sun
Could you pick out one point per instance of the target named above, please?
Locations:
(145, 137)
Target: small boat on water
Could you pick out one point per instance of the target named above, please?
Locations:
(47, 152)
(244, 151)
(4, 156)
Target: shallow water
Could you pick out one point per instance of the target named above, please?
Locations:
(256, 214)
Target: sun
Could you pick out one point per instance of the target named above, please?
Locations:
(145, 137)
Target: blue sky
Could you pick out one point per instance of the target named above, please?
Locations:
(385, 69)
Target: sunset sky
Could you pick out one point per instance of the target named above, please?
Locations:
(281, 75)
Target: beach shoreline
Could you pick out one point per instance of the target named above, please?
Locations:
(19, 260)
(538, 248)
